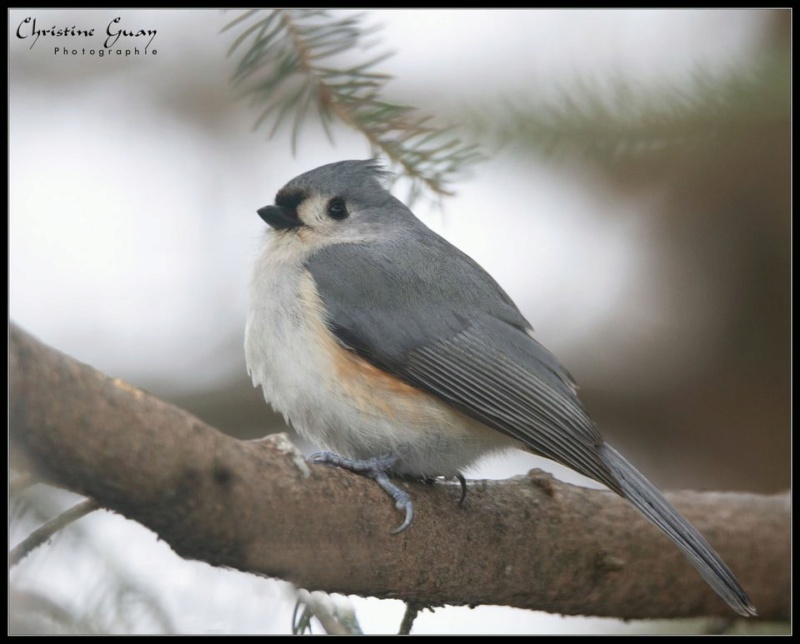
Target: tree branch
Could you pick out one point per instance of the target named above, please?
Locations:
(529, 542)
(50, 528)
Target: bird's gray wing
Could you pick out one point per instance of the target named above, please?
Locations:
(427, 313)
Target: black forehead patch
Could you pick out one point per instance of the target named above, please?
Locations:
(290, 198)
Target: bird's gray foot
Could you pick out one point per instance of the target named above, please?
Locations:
(378, 470)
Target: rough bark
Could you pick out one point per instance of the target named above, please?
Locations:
(257, 506)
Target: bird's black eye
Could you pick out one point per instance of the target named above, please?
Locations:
(337, 209)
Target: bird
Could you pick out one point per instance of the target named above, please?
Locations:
(383, 343)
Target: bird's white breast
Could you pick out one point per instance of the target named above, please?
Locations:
(333, 397)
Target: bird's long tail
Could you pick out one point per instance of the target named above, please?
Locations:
(639, 491)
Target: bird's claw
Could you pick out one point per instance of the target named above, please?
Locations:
(318, 458)
(378, 470)
(409, 508)
(463, 482)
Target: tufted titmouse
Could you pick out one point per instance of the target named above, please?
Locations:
(378, 339)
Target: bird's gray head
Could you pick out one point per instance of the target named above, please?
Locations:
(339, 202)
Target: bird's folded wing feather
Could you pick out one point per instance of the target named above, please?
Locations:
(462, 340)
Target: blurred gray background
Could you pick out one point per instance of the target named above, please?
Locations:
(658, 273)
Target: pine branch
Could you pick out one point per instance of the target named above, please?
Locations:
(625, 121)
(257, 506)
(288, 66)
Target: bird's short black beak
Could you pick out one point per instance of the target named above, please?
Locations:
(280, 218)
